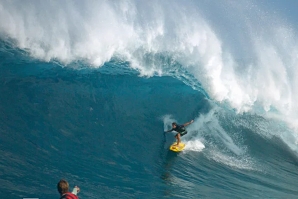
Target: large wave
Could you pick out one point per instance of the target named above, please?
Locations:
(239, 53)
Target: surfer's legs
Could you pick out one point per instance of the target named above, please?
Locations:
(178, 135)
(178, 138)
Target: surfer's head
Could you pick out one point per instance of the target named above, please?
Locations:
(63, 186)
(174, 124)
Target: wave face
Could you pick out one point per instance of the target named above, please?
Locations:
(87, 89)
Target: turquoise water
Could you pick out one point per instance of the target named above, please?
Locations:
(87, 89)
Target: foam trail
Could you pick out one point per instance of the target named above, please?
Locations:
(241, 163)
(194, 145)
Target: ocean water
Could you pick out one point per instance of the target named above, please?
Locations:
(87, 89)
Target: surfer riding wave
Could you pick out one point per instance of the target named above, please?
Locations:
(180, 129)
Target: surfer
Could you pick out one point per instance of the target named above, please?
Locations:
(63, 189)
(180, 129)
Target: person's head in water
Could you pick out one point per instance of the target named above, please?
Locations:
(174, 124)
(63, 186)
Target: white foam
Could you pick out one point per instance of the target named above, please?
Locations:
(194, 145)
(240, 162)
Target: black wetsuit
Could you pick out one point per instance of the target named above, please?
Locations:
(180, 129)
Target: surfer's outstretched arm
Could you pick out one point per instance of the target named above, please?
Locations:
(188, 123)
(168, 130)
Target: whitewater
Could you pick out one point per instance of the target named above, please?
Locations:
(88, 89)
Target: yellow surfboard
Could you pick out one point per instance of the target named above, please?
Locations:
(176, 148)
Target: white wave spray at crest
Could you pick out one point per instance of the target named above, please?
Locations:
(206, 39)
(67, 31)
(96, 31)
